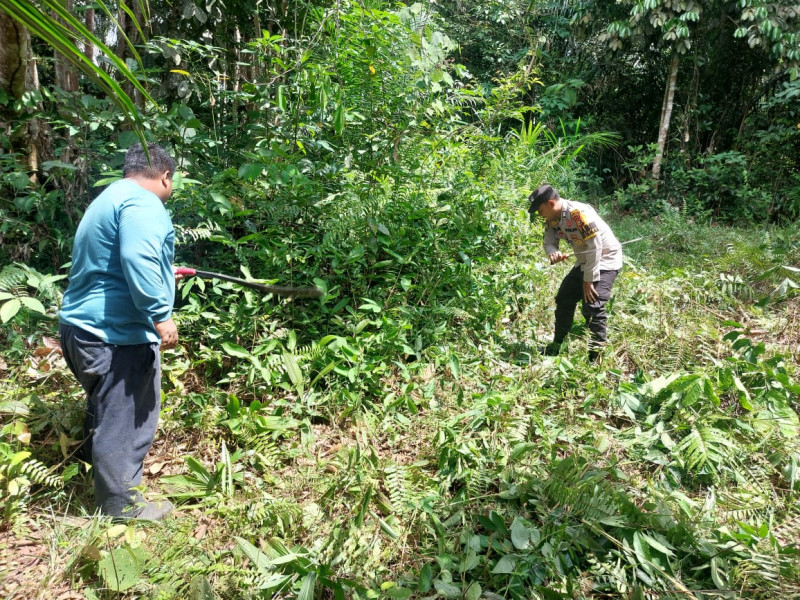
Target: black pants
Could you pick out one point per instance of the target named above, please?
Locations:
(123, 393)
(570, 293)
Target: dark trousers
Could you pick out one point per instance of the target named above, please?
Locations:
(570, 293)
(123, 390)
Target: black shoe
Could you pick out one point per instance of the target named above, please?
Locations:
(552, 349)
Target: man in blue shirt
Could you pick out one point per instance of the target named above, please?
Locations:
(115, 316)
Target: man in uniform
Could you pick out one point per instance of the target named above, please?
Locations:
(115, 317)
(598, 256)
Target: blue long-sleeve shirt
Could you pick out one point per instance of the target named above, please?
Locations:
(121, 281)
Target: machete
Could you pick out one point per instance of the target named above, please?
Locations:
(280, 290)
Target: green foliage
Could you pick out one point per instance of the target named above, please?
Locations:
(203, 483)
(402, 436)
(56, 25)
(15, 281)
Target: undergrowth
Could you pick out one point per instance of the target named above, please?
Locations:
(403, 436)
(434, 453)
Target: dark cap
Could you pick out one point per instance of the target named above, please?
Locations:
(541, 195)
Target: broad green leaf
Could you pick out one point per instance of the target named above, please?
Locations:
(325, 370)
(469, 562)
(258, 557)
(57, 164)
(200, 588)
(339, 119)
(505, 565)
(223, 204)
(744, 394)
(17, 458)
(718, 575)
(664, 547)
(455, 366)
(235, 350)
(359, 520)
(307, 588)
(474, 591)
(280, 97)
(520, 450)
(70, 472)
(399, 593)
(293, 369)
(710, 392)
(19, 181)
(9, 309)
(121, 568)
(447, 589)
(425, 579)
(198, 469)
(274, 582)
(249, 172)
(385, 527)
(641, 549)
(107, 180)
(14, 407)
(549, 594)
(33, 304)
(519, 535)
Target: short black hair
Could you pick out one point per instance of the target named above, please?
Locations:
(136, 162)
(541, 195)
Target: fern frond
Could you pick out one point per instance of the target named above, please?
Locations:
(481, 482)
(518, 429)
(40, 474)
(13, 279)
(266, 448)
(706, 449)
(397, 485)
(204, 231)
(587, 494)
(455, 313)
(759, 567)
(747, 507)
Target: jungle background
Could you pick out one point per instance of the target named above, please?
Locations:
(402, 437)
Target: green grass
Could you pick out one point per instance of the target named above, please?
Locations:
(478, 468)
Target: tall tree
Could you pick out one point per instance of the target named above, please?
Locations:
(52, 22)
(673, 27)
(19, 77)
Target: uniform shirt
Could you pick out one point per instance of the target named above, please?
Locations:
(121, 280)
(595, 246)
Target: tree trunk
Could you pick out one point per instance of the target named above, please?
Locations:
(666, 115)
(18, 74)
(89, 49)
(66, 76)
(15, 42)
